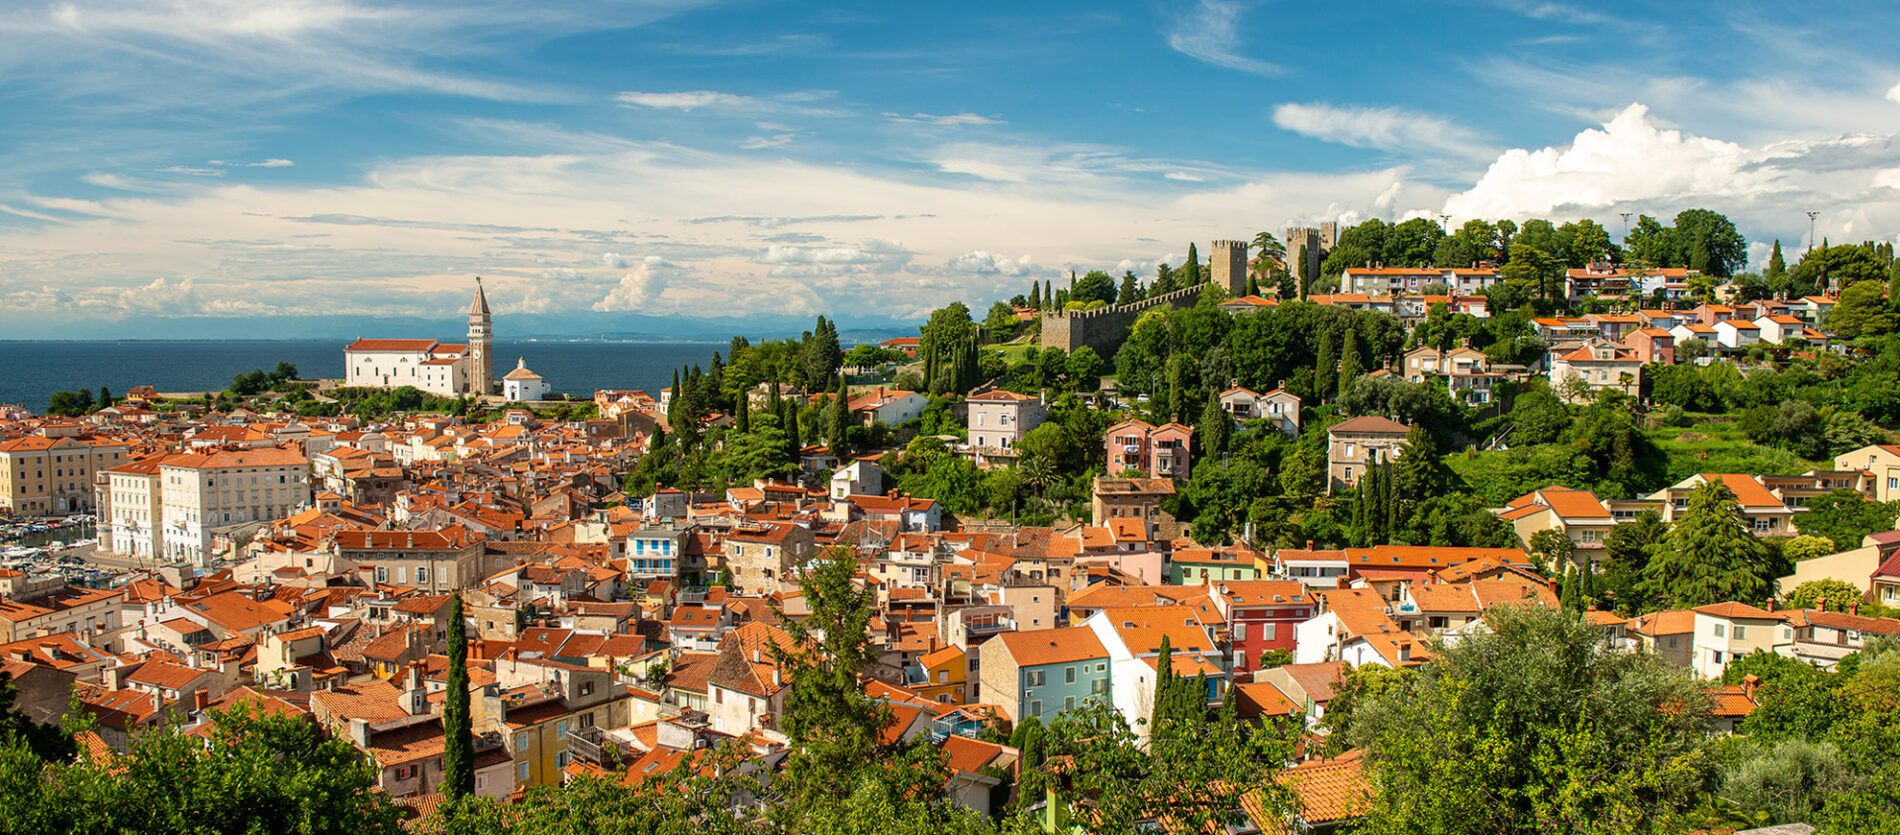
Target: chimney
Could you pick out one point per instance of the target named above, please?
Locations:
(1749, 683)
(200, 699)
(1820, 603)
(1853, 608)
(1771, 604)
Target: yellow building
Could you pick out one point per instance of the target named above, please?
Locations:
(945, 676)
(51, 474)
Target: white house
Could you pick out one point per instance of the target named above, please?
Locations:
(1736, 333)
(1279, 407)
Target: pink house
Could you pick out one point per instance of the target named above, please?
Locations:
(1160, 451)
(1652, 345)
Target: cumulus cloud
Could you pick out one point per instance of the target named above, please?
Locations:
(874, 256)
(1384, 128)
(639, 289)
(1893, 94)
(753, 143)
(613, 260)
(1209, 32)
(1628, 159)
(981, 263)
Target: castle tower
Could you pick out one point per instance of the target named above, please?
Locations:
(481, 343)
(1227, 266)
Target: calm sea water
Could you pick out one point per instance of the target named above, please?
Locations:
(31, 371)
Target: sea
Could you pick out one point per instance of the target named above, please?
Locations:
(31, 371)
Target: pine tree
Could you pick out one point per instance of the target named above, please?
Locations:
(1350, 363)
(742, 415)
(458, 747)
(1777, 266)
(1709, 556)
(1569, 597)
(1130, 290)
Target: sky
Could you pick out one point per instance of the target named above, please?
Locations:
(262, 160)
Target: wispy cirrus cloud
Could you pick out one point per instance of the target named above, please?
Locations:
(1384, 128)
(950, 120)
(1208, 31)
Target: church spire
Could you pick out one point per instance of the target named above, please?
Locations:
(480, 307)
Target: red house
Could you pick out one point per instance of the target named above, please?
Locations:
(1261, 615)
(1160, 451)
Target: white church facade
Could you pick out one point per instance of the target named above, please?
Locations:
(439, 368)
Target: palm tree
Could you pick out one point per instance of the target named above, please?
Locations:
(1037, 472)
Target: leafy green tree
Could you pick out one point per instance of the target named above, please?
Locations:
(1536, 725)
(70, 403)
(1094, 286)
(1626, 556)
(1845, 517)
(1084, 369)
(1213, 430)
(1130, 291)
(1789, 781)
(458, 745)
(1710, 556)
(1807, 547)
(1303, 473)
(1553, 550)
(833, 725)
(1863, 310)
(1836, 594)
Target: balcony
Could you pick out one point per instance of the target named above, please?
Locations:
(588, 744)
(990, 627)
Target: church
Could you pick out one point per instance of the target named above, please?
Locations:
(439, 368)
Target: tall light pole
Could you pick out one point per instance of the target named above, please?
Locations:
(1811, 216)
(1444, 222)
(1626, 224)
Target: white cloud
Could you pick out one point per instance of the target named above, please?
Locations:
(685, 100)
(1628, 159)
(1893, 94)
(1185, 177)
(1384, 128)
(756, 142)
(952, 120)
(1209, 32)
(640, 289)
(273, 162)
(613, 260)
(983, 263)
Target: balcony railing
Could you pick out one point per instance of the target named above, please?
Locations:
(586, 744)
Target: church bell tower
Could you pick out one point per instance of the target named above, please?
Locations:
(481, 344)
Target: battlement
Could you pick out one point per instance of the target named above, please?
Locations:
(1104, 328)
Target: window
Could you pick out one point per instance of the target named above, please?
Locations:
(1240, 631)
(1068, 703)
(521, 772)
(1672, 643)
(1035, 708)
(404, 772)
(1720, 630)
(1740, 632)
(587, 688)
(1037, 678)
(1068, 675)
(422, 574)
(1099, 686)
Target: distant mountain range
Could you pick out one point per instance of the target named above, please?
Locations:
(619, 327)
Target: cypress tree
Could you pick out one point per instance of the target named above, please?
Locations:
(1777, 266)
(742, 416)
(1215, 430)
(1035, 294)
(1191, 271)
(1326, 367)
(458, 748)
(840, 417)
(1350, 363)
(1568, 597)
(1162, 703)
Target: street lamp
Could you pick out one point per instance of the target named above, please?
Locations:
(1811, 216)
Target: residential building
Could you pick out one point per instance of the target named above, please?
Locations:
(1381, 281)
(999, 419)
(1595, 366)
(1823, 638)
(202, 492)
(891, 407)
(1208, 566)
(52, 473)
(1766, 514)
(1356, 444)
(1043, 672)
(437, 561)
(1650, 344)
(132, 509)
(1727, 631)
(1737, 333)
(1261, 616)
(1131, 638)
(1279, 407)
(1160, 451)
(761, 557)
(1128, 498)
(1577, 514)
(1881, 462)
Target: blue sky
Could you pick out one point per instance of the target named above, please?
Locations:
(225, 158)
